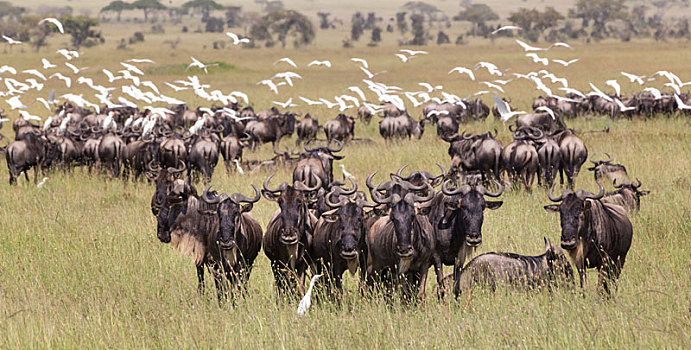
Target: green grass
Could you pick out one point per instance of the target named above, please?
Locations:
(80, 264)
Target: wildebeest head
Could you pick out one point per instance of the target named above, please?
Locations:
(604, 168)
(464, 208)
(293, 201)
(174, 204)
(631, 189)
(572, 210)
(557, 261)
(163, 181)
(347, 211)
(402, 198)
(229, 211)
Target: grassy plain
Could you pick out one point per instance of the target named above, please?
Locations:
(80, 265)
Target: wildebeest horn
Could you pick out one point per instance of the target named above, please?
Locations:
(616, 185)
(636, 186)
(512, 128)
(400, 171)
(341, 201)
(280, 188)
(410, 187)
(210, 196)
(238, 198)
(462, 190)
(150, 166)
(610, 158)
(340, 146)
(369, 181)
(484, 191)
(146, 138)
(587, 195)
(347, 192)
(177, 170)
(307, 148)
(469, 137)
(413, 197)
(555, 199)
(299, 185)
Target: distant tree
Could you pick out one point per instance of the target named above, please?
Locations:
(376, 34)
(37, 33)
(283, 24)
(117, 6)
(324, 20)
(599, 12)
(401, 22)
(422, 8)
(442, 38)
(478, 15)
(214, 25)
(524, 18)
(547, 19)
(10, 11)
(203, 6)
(147, 6)
(371, 20)
(357, 26)
(233, 16)
(273, 6)
(80, 29)
(418, 29)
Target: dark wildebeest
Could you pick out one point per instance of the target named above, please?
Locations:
(549, 160)
(447, 125)
(138, 155)
(339, 235)
(627, 195)
(595, 234)
(110, 152)
(31, 152)
(476, 153)
(605, 169)
(317, 162)
(271, 129)
(520, 159)
(400, 245)
(364, 114)
(172, 151)
(573, 154)
(542, 121)
(289, 234)
(163, 180)
(307, 129)
(341, 128)
(477, 109)
(203, 155)
(401, 126)
(231, 149)
(497, 269)
(239, 236)
(457, 216)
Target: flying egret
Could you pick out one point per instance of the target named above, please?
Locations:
(506, 28)
(11, 41)
(527, 47)
(491, 85)
(285, 104)
(9, 69)
(55, 22)
(320, 63)
(270, 84)
(369, 74)
(680, 104)
(548, 110)
(537, 59)
(655, 92)
(413, 52)
(74, 68)
(68, 54)
(622, 107)
(634, 78)
(310, 102)
(566, 63)
(286, 60)
(15, 103)
(199, 64)
(236, 39)
(505, 109)
(560, 44)
(615, 85)
(306, 301)
(462, 70)
(403, 57)
(47, 64)
(361, 61)
(35, 72)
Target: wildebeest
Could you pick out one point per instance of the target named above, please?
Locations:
(341, 128)
(239, 235)
(138, 155)
(627, 195)
(339, 235)
(400, 245)
(520, 159)
(31, 152)
(476, 153)
(289, 233)
(542, 121)
(400, 126)
(172, 151)
(203, 155)
(605, 169)
(364, 114)
(307, 129)
(573, 154)
(110, 153)
(496, 269)
(457, 217)
(595, 234)
(271, 129)
(231, 150)
(549, 160)
(317, 162)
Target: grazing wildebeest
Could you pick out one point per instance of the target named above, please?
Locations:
(456, 216)
(496, 269)
(573, 154)
(605, 169)
(339, 235)
(400, 245)
(627, 195)
(239, 235)
(317, 162)
(341, 128)
(595, 234)
(31, 152)
(307, 129)
(271, 129)
(289, 234)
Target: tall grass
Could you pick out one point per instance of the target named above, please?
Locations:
(80, 265)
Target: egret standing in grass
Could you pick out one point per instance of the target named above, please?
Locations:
(306, 301)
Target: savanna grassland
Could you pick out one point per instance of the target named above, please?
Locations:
(81, 267)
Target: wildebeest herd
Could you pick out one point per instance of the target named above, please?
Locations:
(322, 225)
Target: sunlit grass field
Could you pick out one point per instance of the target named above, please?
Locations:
(80, 264)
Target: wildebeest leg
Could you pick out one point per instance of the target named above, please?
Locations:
(200, 279)
(540, 174)
(422, 282)
(561, 175)
(439, 271)
(457, 280)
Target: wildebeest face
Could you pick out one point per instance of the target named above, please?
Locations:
(468, 210)
(350, 226)
(402, 215)
(572, 214)
(162, 227)
(160, 193)
(292, 204)
(229, 217)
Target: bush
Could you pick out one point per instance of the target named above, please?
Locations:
(157, 29)
(214, 25)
